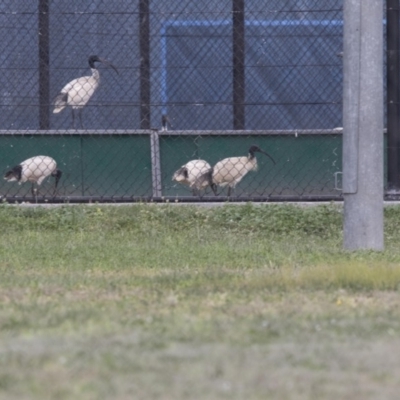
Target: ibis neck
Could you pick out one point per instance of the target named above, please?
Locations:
(95, 74)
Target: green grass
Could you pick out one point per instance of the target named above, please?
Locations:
(168, 302)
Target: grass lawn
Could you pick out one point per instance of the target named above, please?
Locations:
(165, 302)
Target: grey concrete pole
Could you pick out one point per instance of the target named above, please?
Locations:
(363, 124)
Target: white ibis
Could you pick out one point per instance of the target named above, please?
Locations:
(230, 171)
(78, 92)
(34, 170)
(190, 173)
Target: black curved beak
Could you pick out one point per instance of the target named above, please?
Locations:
(264, 152)
(108, 64)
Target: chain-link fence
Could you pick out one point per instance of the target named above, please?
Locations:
(181, 81)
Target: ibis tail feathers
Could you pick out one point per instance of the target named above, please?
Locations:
(60, 102)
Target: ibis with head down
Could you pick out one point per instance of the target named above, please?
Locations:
(35, 170)
(190, 173)
(230, 171)
(78, 92)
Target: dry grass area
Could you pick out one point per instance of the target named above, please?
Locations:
(152, 302)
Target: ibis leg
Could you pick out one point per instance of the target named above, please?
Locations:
(73, 118)
(80, 117)
(34, 192)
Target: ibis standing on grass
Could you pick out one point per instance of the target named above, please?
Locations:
(78, 92)
(230, 171)
(35, 170)
(190, 173)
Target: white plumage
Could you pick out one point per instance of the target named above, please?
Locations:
(35, 170)
(78, 92)
(230, 171)
(190, 173)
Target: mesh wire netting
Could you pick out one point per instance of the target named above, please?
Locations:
(192, 81)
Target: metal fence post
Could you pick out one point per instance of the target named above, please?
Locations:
(238, 46)
(144, 26)
(155, 164)
(363, 124)
(393, 94)
(44, 64)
